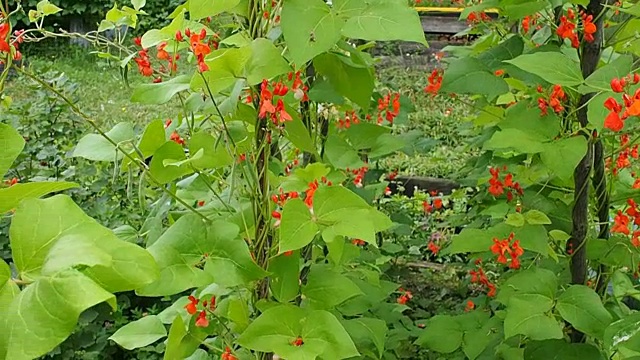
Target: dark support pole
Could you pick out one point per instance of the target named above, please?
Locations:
(590, 58)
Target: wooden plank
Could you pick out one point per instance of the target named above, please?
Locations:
(442, 25)
(447, 10)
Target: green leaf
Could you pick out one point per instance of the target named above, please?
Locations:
(623, 333)
(226, 66)
(515, 219)
(266, 62)
(310, 28)
(381, 21)
(140, 333)
(581, 307)
(471, 76)
(560, 350)
(46, 8)
(11, 144)
(70, 251)
(362, 136)
(562, 156)
(532, 237)
(515, 10)
(332, 203)
(526, 315)
(277, 327)
(138, 4)
(297, 132)
(200, 9)
(564, 71)
(626, 40)
(327, 288)
(525, 117)
(285, 279)
(485, 333)
(342, 75)
(506, 50)
(46, 312)
(159, 168)
(188, 245)
(297, 229)
(96, 147)
(600, 80)
(531, 281)
(367, 331)
(535, 217)
(60, 219)
(12, 196)
(160, 93)
(182, 342)
(340, 154)
(443, 334)
(215, 154)
(622, 286)
(517, 140)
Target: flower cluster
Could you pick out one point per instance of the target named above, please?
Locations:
(227, 355)
(497, 186)
(144, 63)
(505, 247)
(298, 87)
(175, 137)
(358, 181)
(280, 200)
(6, 44)
(198, 47)
(476, 17)
(389, 106)
(624, 157)
(479, 277)
(358, 242)
(405, 297)
(622, 220)
(615, 120)
(278, 113)
(568, 28)
(470, 306)
(350, 117)
(435, 82)
(528, 21)
(436, 203)
(11, 182)
(297, 341)
(554, 100)
(192, 309)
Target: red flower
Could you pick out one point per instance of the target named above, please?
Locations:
(5, 28)
(437, 203)
(162, 53)
(297, 342)
(635, 239)
(435, 82)
(288, 253)
(526, 24)
(201, 203)
(144, 64)
(427, 207)
(613, 122)
(175, 137)
(617, 85)
(500, 248)
(589, 28)
(358, 242)
(136, 40)
(283, 115)
(226, 355)
(470, 306)
(499, 72)
(202, 320)
(404, 298)
(192, 305)
(433, 247)
(621, 224)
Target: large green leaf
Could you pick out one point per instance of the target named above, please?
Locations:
(340, 154)
(506, 50)
(226, 66)
(167, 163)
(266, 62)
(297, 132)
(8, 291)
(366, 332)
(527, 315)
(560, 350)
(200, 9)
(297, 229)
(443, 334)
(342, 76)
(46, 312)
(623, 333)
(564, 70)
(563, 155)
(140, 333)
(214, 153)
(525, 117)
(310, 28)
(532, 238)
(153, 137)
(516, 140)
(581, 307)
(11, 144)
(59, 219)
(380, 20)
(188, 245)
(162, 92)
(10, 197)
(285, 279)
(626, 40)
(531, 281)
(96, 147)
(277, 328)
(327, 288)
(471, 76)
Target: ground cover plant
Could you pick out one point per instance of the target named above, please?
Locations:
(264, 226)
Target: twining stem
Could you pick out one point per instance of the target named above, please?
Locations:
(591, 53)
